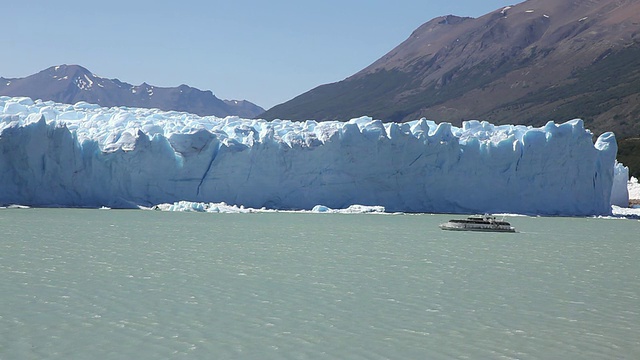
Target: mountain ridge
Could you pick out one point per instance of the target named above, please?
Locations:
(498, 67)
(73, 83)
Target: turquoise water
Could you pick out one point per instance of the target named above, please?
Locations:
(109, 284)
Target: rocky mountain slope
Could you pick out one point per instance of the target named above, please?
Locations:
(530, 63)
(72, 83)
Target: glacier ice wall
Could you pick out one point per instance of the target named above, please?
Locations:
(619, 190)
(84, 155)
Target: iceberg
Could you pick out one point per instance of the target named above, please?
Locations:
(84, 155)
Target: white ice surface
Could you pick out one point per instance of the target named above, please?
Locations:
(633, 188)
(187, 206)
(84, 155)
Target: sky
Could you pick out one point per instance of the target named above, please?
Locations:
(266, 52)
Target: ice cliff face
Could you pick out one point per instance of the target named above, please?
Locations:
(84, 155)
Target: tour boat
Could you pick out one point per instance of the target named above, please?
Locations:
(478, 223)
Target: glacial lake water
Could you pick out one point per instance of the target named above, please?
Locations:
(117, 284)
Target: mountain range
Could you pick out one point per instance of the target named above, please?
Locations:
(72, 83)
(529, 63)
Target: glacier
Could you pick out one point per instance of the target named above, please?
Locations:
(84, 155)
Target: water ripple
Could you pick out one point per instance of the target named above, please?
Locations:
(82, 283)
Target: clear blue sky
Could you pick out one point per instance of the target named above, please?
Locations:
(264, 51)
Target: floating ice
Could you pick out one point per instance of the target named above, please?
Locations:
(85, 155)
(189, 206)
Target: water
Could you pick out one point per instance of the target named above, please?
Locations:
(79, 284)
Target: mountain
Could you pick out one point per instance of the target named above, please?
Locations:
(536, 61)
(72, 83)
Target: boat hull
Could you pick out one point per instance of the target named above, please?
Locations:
(485, 223)
(456, 227)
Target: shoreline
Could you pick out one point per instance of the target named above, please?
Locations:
(617, 212)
